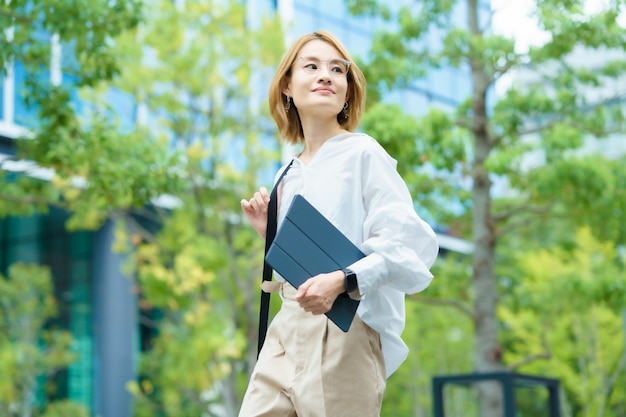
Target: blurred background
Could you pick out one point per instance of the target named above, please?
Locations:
(130, 130)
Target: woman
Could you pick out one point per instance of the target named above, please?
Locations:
(308, 366)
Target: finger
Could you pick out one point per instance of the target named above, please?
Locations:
(323, 305)
(254, 207)
(262, 197)
(311, 308)
(246, 207)
(257, 202)
(264, 194)
(302, 290)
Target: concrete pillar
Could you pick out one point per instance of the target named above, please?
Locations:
(115, 329)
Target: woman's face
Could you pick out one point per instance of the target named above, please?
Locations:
(319, 82)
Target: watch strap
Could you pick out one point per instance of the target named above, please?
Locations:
(350, 280)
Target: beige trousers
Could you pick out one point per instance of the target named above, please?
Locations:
(308, 367)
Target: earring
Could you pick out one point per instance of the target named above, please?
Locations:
(288, 105)
(345, 110)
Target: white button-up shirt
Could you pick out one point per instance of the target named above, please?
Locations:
(353, 182)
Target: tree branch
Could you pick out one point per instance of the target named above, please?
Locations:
(153, 324)
(586, 109)
(529, 359)
(157, 217)
(17, 17)
(512, 225)
(619, 369)
(137, 227)
(445, 302)
(546, 354)
(524, 208)
(30, 200)
(502, 70)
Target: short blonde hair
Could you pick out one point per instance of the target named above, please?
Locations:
(288, 122)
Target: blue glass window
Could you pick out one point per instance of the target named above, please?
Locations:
(24, 114)
(44, 240)
(1, 98)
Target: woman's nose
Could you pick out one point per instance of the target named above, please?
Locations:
(324, 73)
(324, 77)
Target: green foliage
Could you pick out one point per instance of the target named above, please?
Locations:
(368, 8)
(583, 275)
(84, 32)
(420, 145)
(29, 348)
(590, 189)
(65, 408)
(97, 169)
(567, 304)
(191, 355)
(22, 195)
(409, 389)
(196, 69)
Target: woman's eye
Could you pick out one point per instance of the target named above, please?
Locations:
(310, 66)
(338, 70)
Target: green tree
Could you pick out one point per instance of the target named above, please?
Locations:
(65, 409)
(440, 341)
(97, 168)
(476, 141)
(567, 302)
(195, 69)
(30, 349)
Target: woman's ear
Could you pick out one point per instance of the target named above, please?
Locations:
(286, 87)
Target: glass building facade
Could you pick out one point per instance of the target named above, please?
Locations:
(44, 240)
(96, 303)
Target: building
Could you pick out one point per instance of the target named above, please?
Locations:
(95, 300)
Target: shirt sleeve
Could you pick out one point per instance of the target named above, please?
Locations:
(400, 247)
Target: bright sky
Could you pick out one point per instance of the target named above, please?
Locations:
(514, 18)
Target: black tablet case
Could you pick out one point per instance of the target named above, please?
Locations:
(307, 244)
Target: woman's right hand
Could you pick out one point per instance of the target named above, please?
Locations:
(256, 210)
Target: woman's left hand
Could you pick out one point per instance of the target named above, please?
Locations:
(317, 294)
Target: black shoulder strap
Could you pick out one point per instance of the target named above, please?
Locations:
(270, 233)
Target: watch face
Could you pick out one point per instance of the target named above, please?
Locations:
(351, 282)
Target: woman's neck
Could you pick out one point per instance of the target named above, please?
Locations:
(315, 135)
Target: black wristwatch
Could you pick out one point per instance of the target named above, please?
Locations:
(351, 282)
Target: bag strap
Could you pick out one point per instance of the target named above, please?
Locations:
(270, 234)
